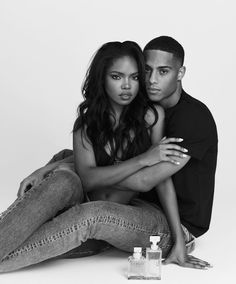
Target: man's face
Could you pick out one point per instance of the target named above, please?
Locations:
(163, 75)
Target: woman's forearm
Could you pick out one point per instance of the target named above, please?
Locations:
(99, 177)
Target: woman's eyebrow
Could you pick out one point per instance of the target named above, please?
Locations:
(120, 73)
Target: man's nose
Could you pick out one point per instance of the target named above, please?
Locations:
(152, 78)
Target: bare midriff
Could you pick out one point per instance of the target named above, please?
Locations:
(109, 194)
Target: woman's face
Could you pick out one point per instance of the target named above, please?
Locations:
(122, 82)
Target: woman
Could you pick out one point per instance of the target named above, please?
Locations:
(113, 135)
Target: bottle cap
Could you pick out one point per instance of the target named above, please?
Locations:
(137, 252)
(137, 249)
(154, 240)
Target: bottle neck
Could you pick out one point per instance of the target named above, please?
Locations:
(154, 247)
(137, 255)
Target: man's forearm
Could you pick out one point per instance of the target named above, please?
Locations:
(167, 196)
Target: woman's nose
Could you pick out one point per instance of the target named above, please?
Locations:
(126, 84)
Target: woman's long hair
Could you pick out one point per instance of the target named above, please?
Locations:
(94, 113)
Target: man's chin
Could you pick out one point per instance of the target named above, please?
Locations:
(154, 97)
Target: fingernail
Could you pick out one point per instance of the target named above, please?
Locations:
(185, 150)
(180, 139)
(177, 163)
(209, 265)
(184, 156)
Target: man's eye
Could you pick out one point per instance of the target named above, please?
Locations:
(163, 72)
(147, 70)
(136, 77)
(115, 77)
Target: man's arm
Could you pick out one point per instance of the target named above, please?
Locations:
(147, 178)
(178, 255)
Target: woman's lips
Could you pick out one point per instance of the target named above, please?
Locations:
(126, 96)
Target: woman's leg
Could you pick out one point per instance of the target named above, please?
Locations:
(60, 190)
(123, 226)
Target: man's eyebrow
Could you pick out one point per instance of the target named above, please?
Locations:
(159, 67)
(168, 67)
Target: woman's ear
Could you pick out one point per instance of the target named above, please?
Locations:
(181, 73)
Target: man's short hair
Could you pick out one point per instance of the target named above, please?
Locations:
(168, 44)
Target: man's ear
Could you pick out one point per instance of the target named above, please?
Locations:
(181, 73)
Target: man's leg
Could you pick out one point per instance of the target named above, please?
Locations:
(123, 226)
(59, 190)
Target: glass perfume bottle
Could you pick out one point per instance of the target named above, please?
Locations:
(153, 259)
(136, 265)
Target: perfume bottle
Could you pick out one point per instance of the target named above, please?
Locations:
(153, 259)
(136, 265)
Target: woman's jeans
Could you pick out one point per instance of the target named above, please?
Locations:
(29, 234)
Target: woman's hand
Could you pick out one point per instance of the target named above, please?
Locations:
(32, 180)
(164, 151)
(179, 256)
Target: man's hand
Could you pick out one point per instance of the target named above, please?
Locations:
(165, 150)
(179, 256)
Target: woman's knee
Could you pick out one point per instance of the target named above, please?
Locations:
(68, 182)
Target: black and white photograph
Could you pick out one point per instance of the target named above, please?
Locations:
(117, 136)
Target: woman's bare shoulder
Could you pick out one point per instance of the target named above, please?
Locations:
(150, 116)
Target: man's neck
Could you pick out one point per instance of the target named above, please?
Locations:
(173, 99)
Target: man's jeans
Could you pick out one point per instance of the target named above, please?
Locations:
(29, 235)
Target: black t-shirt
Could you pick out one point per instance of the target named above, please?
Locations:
(191, 120)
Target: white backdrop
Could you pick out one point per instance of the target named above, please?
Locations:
(45, 48)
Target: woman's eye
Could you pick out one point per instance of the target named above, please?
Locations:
(136, 78)
(115, 77)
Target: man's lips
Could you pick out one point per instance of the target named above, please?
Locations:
(153, 90)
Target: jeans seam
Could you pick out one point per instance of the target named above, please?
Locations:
(27, 194)
(76, 227)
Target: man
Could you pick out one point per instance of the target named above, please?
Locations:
(193, 178)
(189, 119)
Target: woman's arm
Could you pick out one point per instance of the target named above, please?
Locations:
(94, 177)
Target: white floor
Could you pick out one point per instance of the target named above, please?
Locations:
(111, 267)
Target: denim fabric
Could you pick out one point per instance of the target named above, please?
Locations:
(27, 236)
(123, 226)
(91, 245)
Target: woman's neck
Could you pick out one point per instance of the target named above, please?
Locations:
(115, 115)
